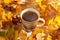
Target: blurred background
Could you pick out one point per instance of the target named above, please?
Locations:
(10, 22)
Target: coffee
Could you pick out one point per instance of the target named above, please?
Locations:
(30, 16)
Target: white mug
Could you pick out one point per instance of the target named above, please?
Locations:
(32, 23)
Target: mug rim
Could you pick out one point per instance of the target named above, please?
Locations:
(30, 9)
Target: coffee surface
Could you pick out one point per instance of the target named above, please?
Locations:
(30, 16)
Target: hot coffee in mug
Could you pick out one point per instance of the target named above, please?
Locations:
(30, 18)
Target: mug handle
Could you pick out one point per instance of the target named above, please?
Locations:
(40, 25)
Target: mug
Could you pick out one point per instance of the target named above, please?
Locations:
(30, 18)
